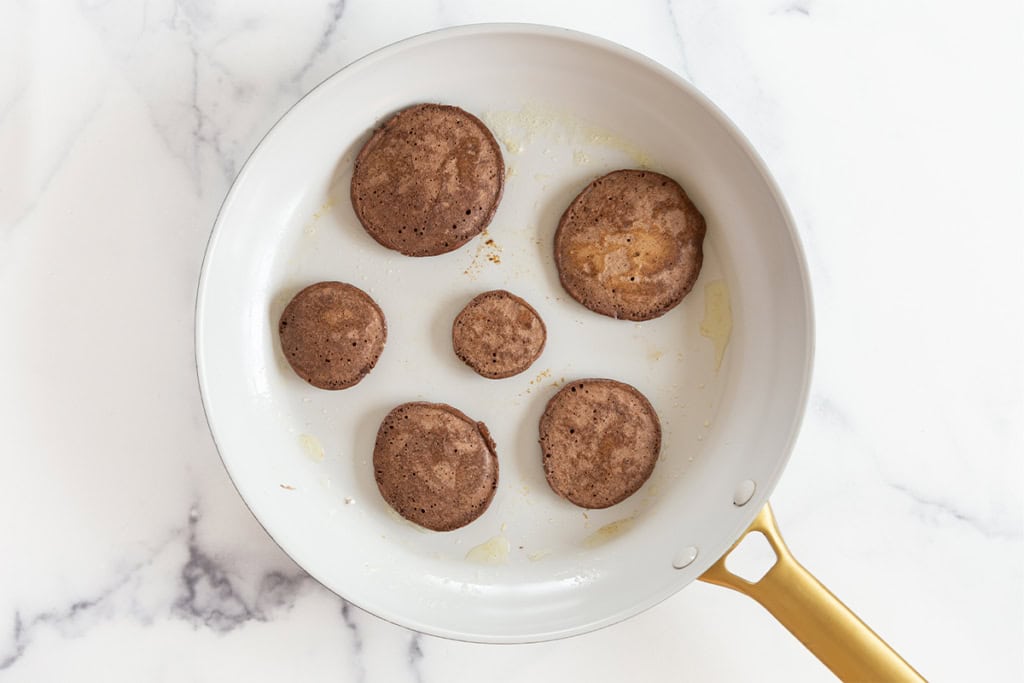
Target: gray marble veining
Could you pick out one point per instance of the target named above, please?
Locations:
(128, 555)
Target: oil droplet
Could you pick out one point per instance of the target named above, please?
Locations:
(492, 551)
(310, 227)
(312, 446)
(609, 532)
(717, 323)
(517, 129)
(512, 146)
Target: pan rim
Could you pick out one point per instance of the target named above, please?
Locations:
(765, 487)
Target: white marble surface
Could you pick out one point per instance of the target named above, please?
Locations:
(893, 127)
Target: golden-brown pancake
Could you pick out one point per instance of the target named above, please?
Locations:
(630, 245)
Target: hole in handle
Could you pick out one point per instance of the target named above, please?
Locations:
(752, 558)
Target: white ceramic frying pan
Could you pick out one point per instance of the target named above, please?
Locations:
(566, 108)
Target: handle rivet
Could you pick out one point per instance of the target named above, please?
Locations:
(744, 492)
(685, 557)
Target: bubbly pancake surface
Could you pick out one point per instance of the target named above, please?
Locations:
(434, 465)
(428, 180)
(600, 440)
(498, 334)
(332, 334)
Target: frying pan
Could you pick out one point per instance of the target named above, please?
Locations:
(566, 108)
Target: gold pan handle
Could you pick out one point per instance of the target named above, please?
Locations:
(817, 618)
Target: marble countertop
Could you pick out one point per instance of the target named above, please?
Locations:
(895, 132)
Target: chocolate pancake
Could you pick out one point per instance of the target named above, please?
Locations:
(428, 180)
(435, 466)
(600, 440)
(630, 245)
(498, 334)
(332, 334)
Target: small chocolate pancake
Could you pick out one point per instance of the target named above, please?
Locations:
(498, 334)
(435, 466)
(428, 180)
(630, 245)
(600, 440)
(332, 334)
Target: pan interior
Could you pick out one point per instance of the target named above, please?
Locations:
(566, 108)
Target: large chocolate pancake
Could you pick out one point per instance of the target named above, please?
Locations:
(434, 465)
(332, 334)
(600, 440)
(428, 180)
(630, 245)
